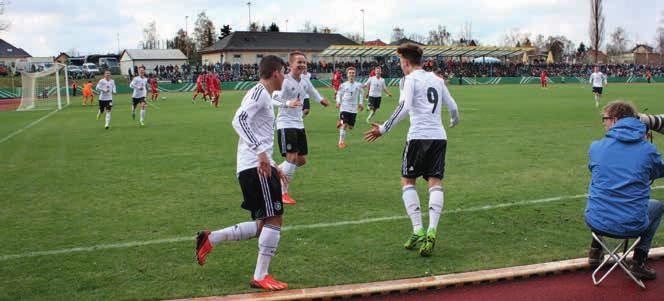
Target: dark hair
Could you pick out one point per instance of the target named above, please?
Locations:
(411, 52)
(620, 109)
(294, 53)
(269, 65)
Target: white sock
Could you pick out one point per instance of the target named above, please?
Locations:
(241, 231)
(289, 169)
(412, 203)
(142, 114)
(267, 247)
(108, 118)
(435, 205)
(342, 135)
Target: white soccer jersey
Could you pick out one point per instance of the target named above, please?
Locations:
(254, 123)
(292, 89)
(421, 95)
(376, 86)
(140, 85)
(598, 79)
(350, 95)
(308, 77)
(106, 89)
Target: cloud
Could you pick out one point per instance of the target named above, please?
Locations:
(93, 26)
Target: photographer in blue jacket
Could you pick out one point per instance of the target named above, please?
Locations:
(622, 165)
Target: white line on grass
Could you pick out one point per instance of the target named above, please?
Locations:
(290, 228)
(27, 126)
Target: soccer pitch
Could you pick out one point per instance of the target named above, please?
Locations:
(90, 214)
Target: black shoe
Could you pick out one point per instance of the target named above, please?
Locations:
(595, 257)
(641, 271)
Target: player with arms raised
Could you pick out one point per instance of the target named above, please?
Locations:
(424, 155)
(258, 175)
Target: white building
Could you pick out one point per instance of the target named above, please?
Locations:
(150, 58)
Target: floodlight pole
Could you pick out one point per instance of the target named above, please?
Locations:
(363, 36)
(249, 6)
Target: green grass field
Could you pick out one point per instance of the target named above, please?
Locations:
(67, 183)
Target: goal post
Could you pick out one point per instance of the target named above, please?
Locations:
(44, 90)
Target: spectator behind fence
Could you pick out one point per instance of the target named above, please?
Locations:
(622, 165)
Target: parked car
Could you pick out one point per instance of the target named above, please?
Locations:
(75, 71)
(90, 69)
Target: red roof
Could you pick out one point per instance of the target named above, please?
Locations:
(375, 43)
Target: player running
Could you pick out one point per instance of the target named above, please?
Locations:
(349, 100)
(200, 81)
(106, 88)
(258, 175)
(598, 80)
(290, 125)
(87, 93)
(154, 89)
(376, 86)
(140, 86)
(424, 155)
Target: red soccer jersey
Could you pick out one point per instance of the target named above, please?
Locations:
(543, 75)
(209, 81)
(215, 84)
(153, 84)
(199, 80)
(336, 80)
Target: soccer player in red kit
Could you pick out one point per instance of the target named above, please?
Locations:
(215, 89)
(153, 87)
(200, 80)
(543, 78)
(336, 82)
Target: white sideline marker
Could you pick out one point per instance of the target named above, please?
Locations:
(31, 124)
(290, 228)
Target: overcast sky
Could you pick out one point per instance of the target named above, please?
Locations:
(47, 27)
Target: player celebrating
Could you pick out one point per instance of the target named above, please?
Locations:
(106, 88)
(258, 175)
(598, 80)
(424, 154)
(140, 86)
(200, 81)
(290, 125)
(376, 86)
(349, 100)
(87, 94)
(154, 95)
(543, 78)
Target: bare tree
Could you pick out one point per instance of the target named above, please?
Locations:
(515, 37)
(417, 38)
(254, 26)
(660, 36)
(596, 29)
(150, 36)
(397, 34)
(204, 31)
(4, 24)
(439, 36)
(355, 36)
(618, 43)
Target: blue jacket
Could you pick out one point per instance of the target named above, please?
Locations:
(622, 165)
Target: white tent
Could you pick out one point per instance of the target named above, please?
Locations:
(486, 60)
(150, 58)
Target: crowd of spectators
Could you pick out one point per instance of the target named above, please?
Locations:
(451, 68)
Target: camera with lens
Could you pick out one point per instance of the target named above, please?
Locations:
(653, 122)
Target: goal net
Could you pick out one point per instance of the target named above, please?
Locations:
(46, 89)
